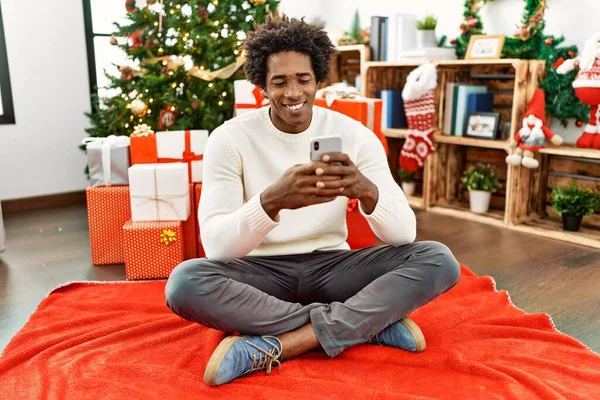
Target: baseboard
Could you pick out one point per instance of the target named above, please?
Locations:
(43, 202)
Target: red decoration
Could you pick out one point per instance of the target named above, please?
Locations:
(453, 41)
(202, 12)
(570, 53)
(579, 124)
(130, 5)
(166, 119)
(549, 41)
(558, 63)
(136, 39)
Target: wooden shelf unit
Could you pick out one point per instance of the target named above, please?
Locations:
(523, 202)
(349, 63)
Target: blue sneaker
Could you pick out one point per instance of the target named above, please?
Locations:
(240, 355)
(403, 334)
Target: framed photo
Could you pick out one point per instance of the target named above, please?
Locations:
(482, 125)
(485, 47)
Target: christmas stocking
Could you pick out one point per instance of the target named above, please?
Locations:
(419, 104)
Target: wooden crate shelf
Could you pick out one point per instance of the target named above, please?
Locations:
(523, 201)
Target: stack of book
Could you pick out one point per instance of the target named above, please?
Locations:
(392, 113)
(460, 99)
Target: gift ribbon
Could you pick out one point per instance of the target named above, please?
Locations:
(188, 156)
(106, 144)
(259, 97)
(164, 199)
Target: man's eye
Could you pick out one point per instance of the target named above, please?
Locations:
(305, 81)
(279, 84)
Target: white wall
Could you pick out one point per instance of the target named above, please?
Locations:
(575, 19)
(46, 49)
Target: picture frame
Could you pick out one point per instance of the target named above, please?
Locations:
(485, 47)
(482, 125)
(7, 111)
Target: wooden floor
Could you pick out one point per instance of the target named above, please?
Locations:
(48, 248)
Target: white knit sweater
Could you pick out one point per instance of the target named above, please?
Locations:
(247, 154)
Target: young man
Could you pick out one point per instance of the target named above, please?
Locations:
(278, 267)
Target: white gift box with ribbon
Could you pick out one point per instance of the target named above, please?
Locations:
(159, 192)
(183, 146)
(108, 160)
(248, 97)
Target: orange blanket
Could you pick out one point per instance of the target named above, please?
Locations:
(118, 341)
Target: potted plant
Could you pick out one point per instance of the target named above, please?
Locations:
(407, 181)
(481, 182)
(573, 203)
(426, 32)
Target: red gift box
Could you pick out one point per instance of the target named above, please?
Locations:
(365, 110)
(152, 248)
(190, 232)
(198, 191)
(142, 149)
(108, 209)
(247, 97)
(360, 234)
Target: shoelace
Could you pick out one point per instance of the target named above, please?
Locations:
(265, 358)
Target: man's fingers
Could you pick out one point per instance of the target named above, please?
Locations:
(335, 184)
(337, 157)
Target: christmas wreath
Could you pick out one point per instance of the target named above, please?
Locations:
(530, 42)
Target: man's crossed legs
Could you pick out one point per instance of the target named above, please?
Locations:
(293, 303)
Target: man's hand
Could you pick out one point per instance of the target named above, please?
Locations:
(297, 188)
(352, 183)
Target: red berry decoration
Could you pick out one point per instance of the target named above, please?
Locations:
(549, 41)
(453, 41)
(570, 53)
(130, 5)
(579, 124)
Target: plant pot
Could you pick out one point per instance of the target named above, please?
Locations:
(408, 188)
(425, 38)
(479, 201)
(572, 223)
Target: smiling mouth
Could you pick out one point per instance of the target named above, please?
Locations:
(295, 107)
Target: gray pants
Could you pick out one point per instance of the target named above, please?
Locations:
(349, 296)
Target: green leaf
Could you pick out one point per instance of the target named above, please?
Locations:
(481, 177)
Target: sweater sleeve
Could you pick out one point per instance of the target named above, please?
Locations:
(392, 220)
(229, 228)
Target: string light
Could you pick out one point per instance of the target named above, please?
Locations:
(141, 120)
(146, 90)
(173, 85)
(151, 100)
(149, 112)
(197, 36)
(131, 118)
(210, 85)
(164, 62)
(161, 50)
(172, 108)
(170, 72)
(216, 23)
(172, 12)
(126, 125)
(236, 52)
(159, 34)
(225, 26)
(156, 24)
(178, 6)
(220, 103)
(224, 94)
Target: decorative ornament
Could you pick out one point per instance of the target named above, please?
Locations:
(168, 236)
(579, 123)
(138, 108)
(570, 53)
(130, 5)
(135, 39)
(202, 12)
(166, 119)
(258, 2)
(142, 130)
(549, 41)
(533, 135)
(453, 41)
(113, 40)
(558, 62)
(174, 62)
(587, 87)
(196, 104)
(126, 72)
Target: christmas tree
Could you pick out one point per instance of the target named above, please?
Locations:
(186, 54)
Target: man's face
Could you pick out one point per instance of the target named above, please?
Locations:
(291, 87)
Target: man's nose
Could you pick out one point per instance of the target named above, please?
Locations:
(293, 90)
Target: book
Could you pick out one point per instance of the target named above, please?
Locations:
(448, 108)
(396, 114)
(480, 102)
(401, 34)
(378, 39)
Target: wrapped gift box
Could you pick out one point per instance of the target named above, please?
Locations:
(248, 97)
(198, 192)
(365, 110)
(108, 160)
(183, 146)
(143, 149)
(190, 228)
(152, 248)
(159, 192)
(108, 209)
(360, 234)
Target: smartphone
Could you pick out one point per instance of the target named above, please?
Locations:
(325, 144)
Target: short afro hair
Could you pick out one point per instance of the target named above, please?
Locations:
(286, 34)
